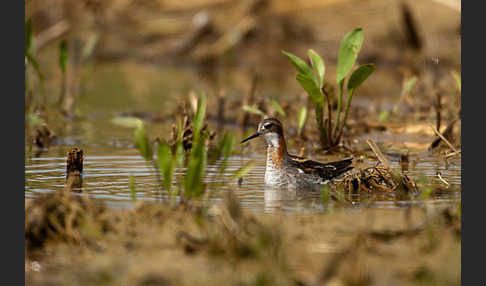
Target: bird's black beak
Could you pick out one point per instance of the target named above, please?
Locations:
(251, 137)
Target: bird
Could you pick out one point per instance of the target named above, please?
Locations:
(283, 169)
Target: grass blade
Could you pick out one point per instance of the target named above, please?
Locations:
(35, 65)
(253, 110)
(142, 143)
(199, 116)
(243, 170)
(193, 181)
(224, 150)
(126, 121)
(63, 56)
(131, 185)
(166, 163)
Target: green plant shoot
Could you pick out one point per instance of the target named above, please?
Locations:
(312, 80)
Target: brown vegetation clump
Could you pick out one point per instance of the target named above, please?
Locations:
(158, 244)
(236, 235)
(62, 216)
(376, 179)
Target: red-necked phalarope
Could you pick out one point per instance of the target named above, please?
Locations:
(283, 169)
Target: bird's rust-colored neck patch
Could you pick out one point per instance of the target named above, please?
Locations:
(277, 153)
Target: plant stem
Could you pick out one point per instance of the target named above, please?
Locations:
(329, 114)
(320, 124)
(346, 110)
(338, 115)
(159, 178)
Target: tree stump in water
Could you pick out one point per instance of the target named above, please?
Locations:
(74, 169)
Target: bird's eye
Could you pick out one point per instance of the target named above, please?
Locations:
(268, 125)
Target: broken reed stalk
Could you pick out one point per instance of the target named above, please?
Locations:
(378, 154)
(453, 154)
(382, 160)
(443, 138)
(447, 134)
(438, 107)
(74, 169)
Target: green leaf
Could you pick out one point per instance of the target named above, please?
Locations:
(127, 121)
(63, 55)
(318, 65)
(253, 110)
(359, 76)
(310, 87)
(225, 147)
(277, 107)
(179, 154)
(302, 67)
(243, 170)
(196, 167)
(166, 163)
(35, 65)
(348, 53)
(200, 114)
(193, 181)
(142, 143)
(302, 117)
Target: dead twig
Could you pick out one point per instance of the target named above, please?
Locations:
(439, 175)
(442, 137)
(378, 154)
(50, 34)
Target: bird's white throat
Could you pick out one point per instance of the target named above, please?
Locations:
(273, 140)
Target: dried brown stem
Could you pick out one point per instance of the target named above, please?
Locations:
(443, 138)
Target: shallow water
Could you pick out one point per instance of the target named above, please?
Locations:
(107, 177)
(110, 156)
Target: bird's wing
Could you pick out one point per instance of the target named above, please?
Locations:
(334, 168)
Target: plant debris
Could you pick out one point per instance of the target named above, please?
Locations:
(65, 217)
